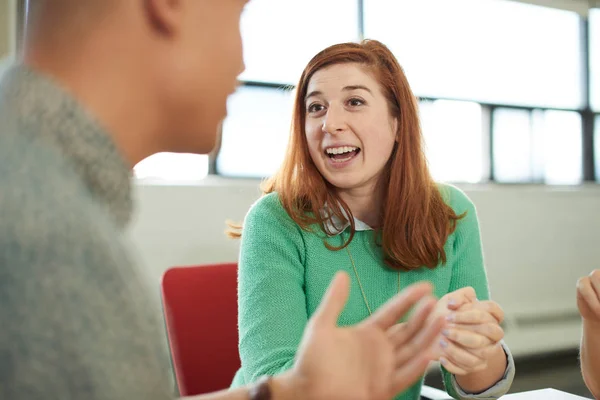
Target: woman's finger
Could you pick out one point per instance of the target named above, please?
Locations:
(460, 297)
(489, 306)
(451, 367)
(490, 330)
(461, 357)
(466, 338)
(494, 309)
(484, 353)
(471, 316)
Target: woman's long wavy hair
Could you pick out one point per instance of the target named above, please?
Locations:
(416, 221)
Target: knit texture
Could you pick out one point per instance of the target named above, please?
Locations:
(78, 318)
(284, 272)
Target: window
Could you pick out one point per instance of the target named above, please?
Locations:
(172, 167)
(513, 146)
(594, 49)
(537, 146)
(256, 132)
(492, 70)
(562, 147)
(277, 47)
(483, 50)
(453, 140)
(280, 37)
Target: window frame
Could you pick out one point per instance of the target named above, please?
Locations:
(587, 115)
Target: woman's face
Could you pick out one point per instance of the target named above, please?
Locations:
(349, 129)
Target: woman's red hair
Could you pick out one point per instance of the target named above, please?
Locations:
(416, 220)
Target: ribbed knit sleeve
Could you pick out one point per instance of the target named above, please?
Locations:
(272, 302)
(467, 251)
(467, 257)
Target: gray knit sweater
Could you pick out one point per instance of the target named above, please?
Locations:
(78, 320)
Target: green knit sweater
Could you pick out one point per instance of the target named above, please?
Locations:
(284, 272)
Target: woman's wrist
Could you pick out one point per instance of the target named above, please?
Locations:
(480, 381)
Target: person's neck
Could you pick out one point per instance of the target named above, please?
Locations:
(110, 89)
(365, 204)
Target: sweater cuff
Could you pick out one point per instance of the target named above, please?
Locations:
(499, 389)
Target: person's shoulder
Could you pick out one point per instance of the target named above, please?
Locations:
(268, 205)
(40, 192)
(269, 212)
(456, 198)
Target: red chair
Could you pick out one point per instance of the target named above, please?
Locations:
(200, 308)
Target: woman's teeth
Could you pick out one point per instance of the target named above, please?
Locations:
(342, 154)
(340, 150)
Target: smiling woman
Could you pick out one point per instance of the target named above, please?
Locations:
(357, 96)
(354, 193)
(350, 132)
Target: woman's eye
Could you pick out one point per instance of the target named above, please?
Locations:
(355, 102)
(313, 108)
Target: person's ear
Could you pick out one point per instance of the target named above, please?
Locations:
(165, 15)
(395, 129)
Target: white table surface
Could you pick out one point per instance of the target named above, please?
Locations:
(543, 394)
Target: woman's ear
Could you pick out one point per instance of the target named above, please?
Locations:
(395, 129)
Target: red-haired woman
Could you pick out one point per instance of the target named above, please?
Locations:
(354, 193)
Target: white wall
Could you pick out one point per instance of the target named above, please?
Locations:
(537, 241)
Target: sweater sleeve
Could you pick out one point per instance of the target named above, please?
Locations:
(469, 270)
(467, 253)
(272, 301)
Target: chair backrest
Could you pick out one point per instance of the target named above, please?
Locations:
(200, 308)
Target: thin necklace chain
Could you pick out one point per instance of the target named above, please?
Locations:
(360, 284)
